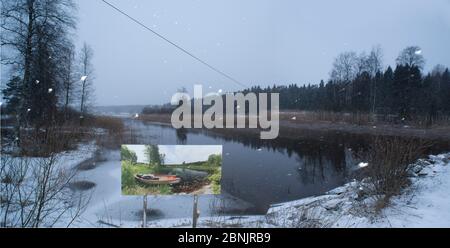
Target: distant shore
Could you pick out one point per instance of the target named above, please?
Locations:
(293, 126)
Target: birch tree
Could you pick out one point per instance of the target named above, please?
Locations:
(86, 72)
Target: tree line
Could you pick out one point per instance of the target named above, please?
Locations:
(358, 83)
(49, 81)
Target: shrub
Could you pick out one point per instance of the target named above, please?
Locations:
(215, 181)
(389, 159)
(127, 175)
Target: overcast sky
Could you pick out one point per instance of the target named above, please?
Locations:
(255, 41)
(177, 154)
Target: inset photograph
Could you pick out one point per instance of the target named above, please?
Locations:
(171, 169)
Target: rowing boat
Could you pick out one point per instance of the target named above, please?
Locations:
(157, 179)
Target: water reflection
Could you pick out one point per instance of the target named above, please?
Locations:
(181, 136)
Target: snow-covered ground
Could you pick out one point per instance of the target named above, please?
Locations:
(426, 203)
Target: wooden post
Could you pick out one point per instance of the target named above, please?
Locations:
(195, 212)
(144, 221)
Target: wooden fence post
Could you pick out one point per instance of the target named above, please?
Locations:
(195, 212)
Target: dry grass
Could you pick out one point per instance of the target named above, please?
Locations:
(109, 123)
(364, 118)
(46, 141)
(358, 118)
(161, 118)
(114, 128)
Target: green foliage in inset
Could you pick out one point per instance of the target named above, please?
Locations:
(128, 155)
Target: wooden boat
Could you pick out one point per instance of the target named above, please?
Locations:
(157, 179)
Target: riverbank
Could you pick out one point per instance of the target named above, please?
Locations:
(292, 126)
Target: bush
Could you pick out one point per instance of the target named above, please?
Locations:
(215, 179)
(389, 159)
(128, 180)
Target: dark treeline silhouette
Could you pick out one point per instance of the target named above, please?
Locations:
(359, 84)
(403, 92)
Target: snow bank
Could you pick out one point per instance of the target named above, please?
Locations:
(425, 203)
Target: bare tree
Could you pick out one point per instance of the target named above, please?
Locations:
(375, 61)
(374, 67)
(362, 63)
(68, 77)
(438, 70)
(86, 79)
(37, 192)
(345, 67)
(411, 56)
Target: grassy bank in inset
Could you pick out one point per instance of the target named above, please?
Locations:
(130, 186)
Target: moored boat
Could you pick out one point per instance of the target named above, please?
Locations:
(157, 179)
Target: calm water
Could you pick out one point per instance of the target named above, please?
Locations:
(264, 173)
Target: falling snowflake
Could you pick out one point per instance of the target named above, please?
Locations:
(136, 115)
(418, 52)
(238, 107)
(220, 91)
(259, 149)
(50, 90)
(294, 118)
(1, 103)
(28, 110)
(37, 81)
(362, 165)
(83, 78)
